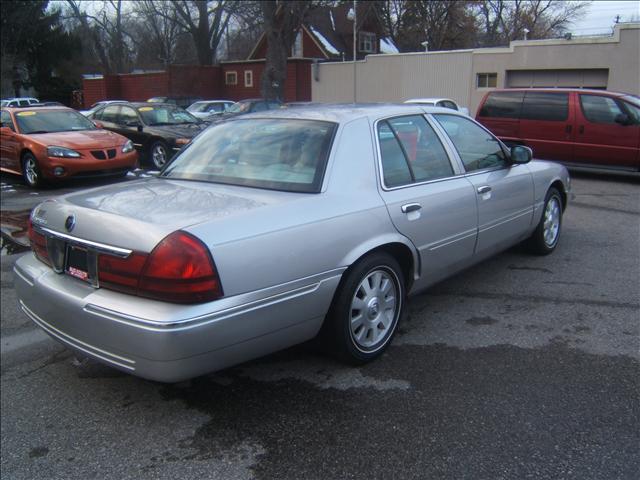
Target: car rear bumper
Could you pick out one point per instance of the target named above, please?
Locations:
(168, 342)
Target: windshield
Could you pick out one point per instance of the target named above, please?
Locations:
(48, 121)
(240, 107)
(4, 103)
(204, 107)
(279, 154)
(166, 115)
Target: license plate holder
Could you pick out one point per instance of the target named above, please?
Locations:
(77, 263)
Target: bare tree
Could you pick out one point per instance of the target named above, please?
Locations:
(282, 20)
(205, 21)
(502, 21)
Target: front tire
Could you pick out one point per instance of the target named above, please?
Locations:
(366, 309)
(545, 238)
(158, 154)
(31, 172)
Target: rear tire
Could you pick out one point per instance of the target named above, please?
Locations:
(545, 238)
(366, 309)
(31, 172)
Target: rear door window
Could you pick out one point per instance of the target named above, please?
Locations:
(502, 105)
(545, 106)
(109, 114)
(599, 109)
(411, 151)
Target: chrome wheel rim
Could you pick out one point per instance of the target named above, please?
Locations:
(374, 309)
(31, 170)
(159, 156)
(551, 226)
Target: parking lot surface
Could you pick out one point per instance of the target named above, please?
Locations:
(521, 367)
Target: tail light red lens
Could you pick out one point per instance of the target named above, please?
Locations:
(38, 244)
(179, 269)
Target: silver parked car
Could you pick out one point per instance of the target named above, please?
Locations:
(277, 227)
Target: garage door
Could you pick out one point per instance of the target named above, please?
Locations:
(578, 78)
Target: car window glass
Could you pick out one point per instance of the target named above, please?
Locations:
(447, 104)
(5, 120)
(279, 154)
(634, 111)
(49, 121)
(215, 107)
(395, 169)
(24, 103)
(259, 107)
(502, 105)
(128, 116)
(545, 106)
(426, 157)
(599, 109)
(165, 115)
(477, 148)
(110, 114)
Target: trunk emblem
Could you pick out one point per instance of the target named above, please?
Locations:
(70, 222)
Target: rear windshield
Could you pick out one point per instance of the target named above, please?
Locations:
(278, 154)
(47, 121)
(165, 115)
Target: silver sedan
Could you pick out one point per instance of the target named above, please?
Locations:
(280, 227)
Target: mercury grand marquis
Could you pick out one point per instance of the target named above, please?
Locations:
(277, 228)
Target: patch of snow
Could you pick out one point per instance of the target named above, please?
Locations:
(387, 46)
(325, 43)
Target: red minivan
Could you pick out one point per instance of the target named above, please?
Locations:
(583, 128)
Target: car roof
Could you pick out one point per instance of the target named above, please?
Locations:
(427, 100)
(563, 90)
(342, 113)
(39, 108)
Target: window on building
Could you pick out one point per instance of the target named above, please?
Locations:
(487, 80)
(231, 78)
(248, 78)
(296, 49)
(367, 42)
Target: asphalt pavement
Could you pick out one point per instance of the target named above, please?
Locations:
(520, 367)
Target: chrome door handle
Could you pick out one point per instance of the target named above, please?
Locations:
(411, 207)
(484, 189)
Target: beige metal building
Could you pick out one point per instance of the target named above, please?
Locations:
(606, 62)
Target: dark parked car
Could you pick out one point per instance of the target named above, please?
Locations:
(250, 105)
(182, 102)
(157, 130)
(582, 128)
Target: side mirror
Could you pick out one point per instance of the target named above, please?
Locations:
(521, 154)
(98, 124)
(623, 119)
(6, 131)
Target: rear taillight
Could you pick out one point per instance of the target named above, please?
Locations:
(179, 269)
(38, 244)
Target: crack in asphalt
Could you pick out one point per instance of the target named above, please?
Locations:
(589, 206)
(535, 298)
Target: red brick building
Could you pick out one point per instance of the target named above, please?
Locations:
(327, 35)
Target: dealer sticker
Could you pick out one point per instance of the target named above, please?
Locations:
(25, 114)
(145, 109)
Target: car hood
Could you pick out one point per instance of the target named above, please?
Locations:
(79, 140)
(176, 131)
(138, 214)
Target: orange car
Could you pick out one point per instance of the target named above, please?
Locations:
(54, 143)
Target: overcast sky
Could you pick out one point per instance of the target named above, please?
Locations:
(601, 14)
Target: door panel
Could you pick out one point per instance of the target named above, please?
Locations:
(599, 139)
(547, 125)
(443, 229)
(505, 207)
